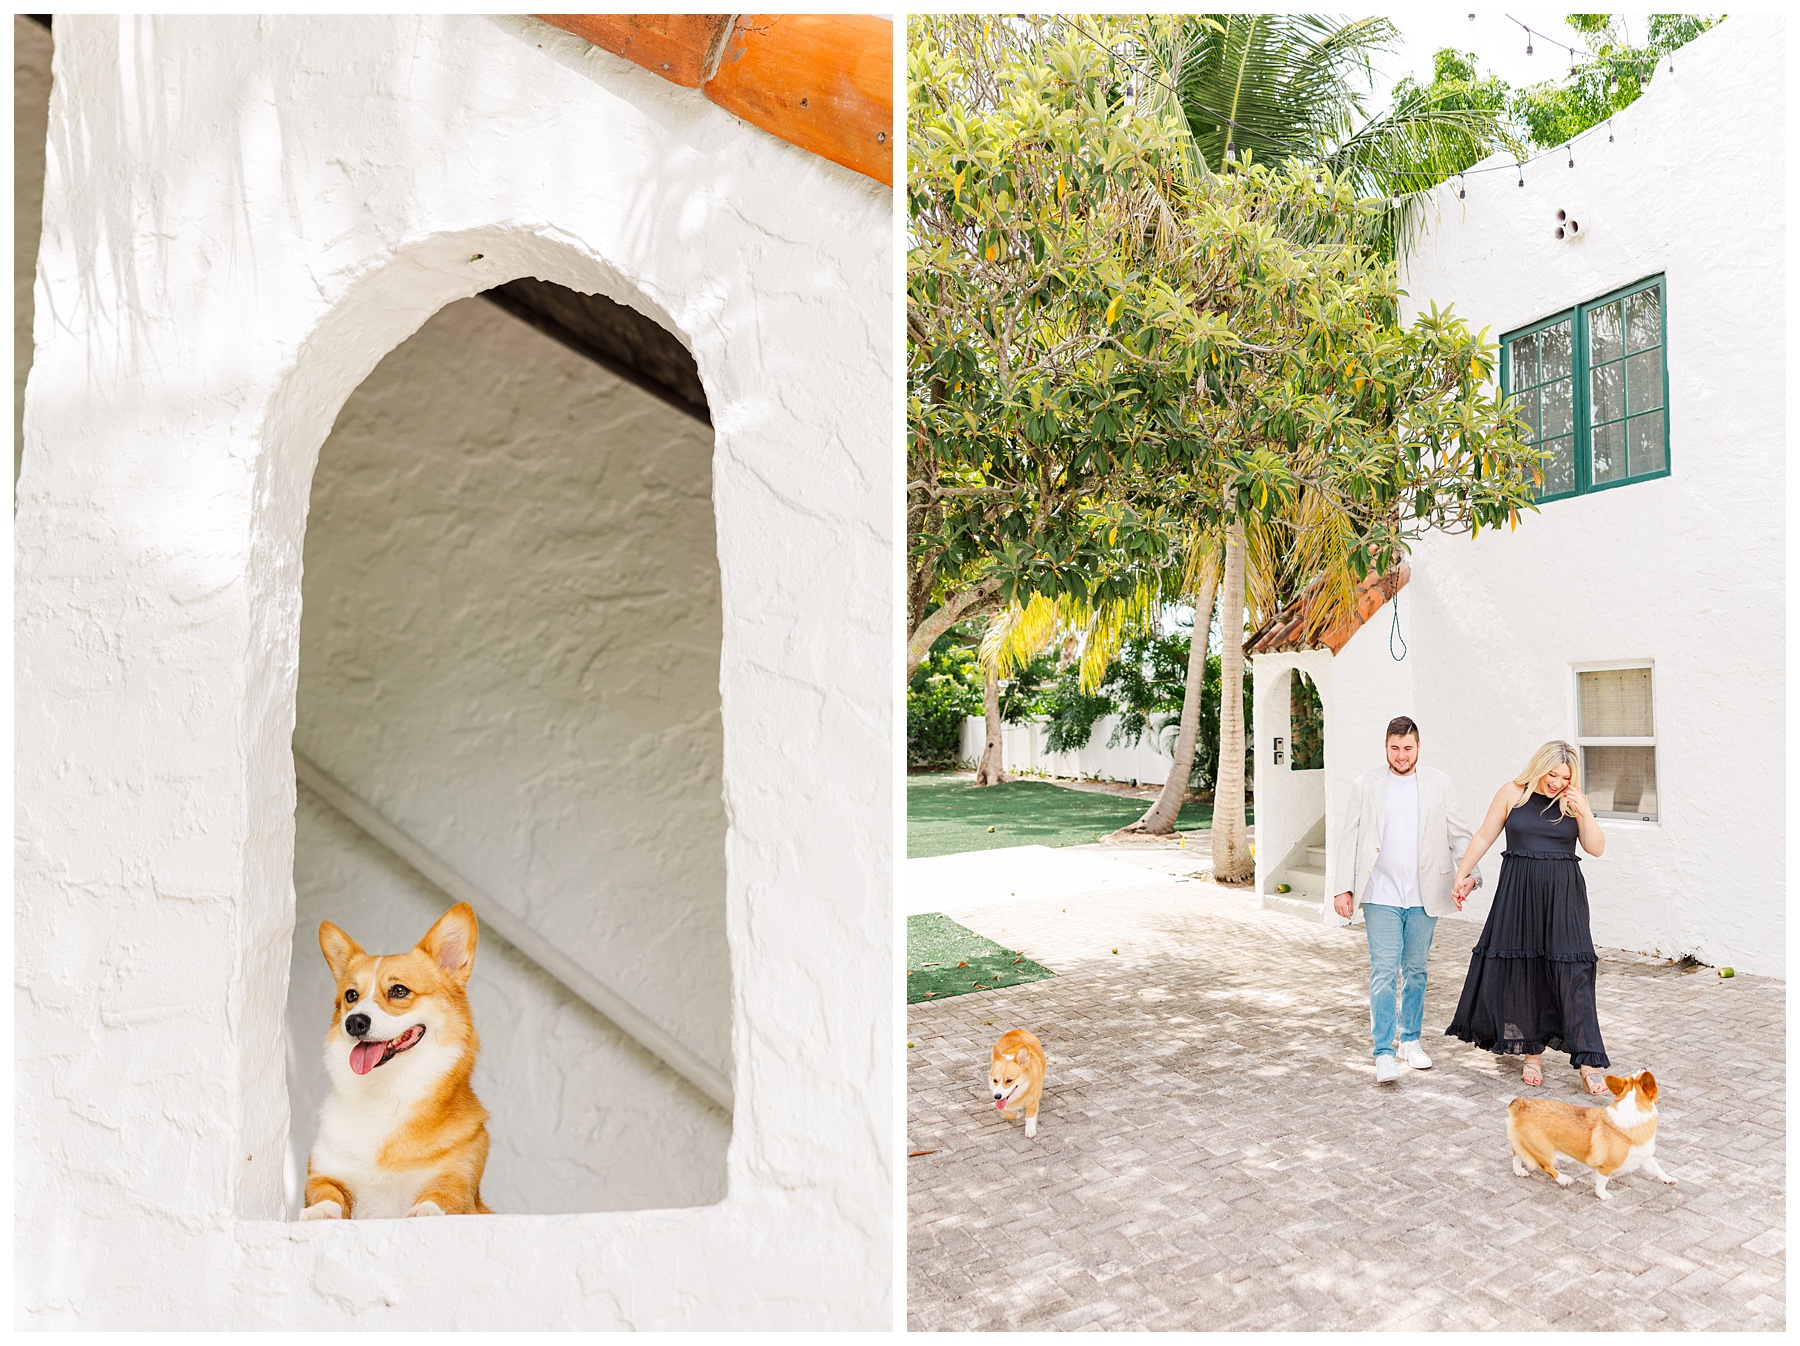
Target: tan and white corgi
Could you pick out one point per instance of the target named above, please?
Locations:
(1618, 1138)
(1016, 1076)
(401, 1133)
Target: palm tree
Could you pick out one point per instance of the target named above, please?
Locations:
(1279, 86)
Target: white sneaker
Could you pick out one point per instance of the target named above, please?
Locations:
(1412, 1054)
(1387, 1070)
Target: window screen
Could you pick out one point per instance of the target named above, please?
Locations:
(1616, 732)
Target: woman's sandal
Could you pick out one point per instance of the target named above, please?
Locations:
(1533, 1074)
(1593, 1079)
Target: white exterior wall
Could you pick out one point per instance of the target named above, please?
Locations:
(1288, 802)
(1025, 747)
(509, 643)
(1685, 571)
(243, 216)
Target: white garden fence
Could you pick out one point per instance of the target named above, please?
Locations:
(1025, 749)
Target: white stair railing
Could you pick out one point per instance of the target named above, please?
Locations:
(633, 1022)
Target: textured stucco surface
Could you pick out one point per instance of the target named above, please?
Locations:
(243, 216)
(1685, 571)
(509, 643)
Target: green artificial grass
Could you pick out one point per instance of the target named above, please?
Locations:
(945, 959)
(946, 815)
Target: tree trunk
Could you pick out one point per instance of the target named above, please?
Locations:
(991, 770)
(1232, 861)
(955, 608)
(1160, 820)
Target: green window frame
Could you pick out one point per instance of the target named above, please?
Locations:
(1592, 385)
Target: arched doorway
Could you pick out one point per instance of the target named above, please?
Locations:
(509, 654)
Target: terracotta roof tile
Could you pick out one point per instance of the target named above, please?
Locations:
(1295, 627)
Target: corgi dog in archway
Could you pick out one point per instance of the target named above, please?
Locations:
(401, 1132)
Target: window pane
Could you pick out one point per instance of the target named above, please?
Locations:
(1608, 394)
(1609, 453)
(1643, 382)
(1648, 447)
(1559, 408)
(1559, 468)
(1524, 362)
(1643, 319)
(1554, 343)
(1620, 782)
(1615, 703)
(1603, 333)
(1526, 404)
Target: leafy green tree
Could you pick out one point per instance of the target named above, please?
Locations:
(1456, 83)
(1294, 86)
(1114, 351)
(1323, 415)
(1072, 712)
(941, 694)
(1023, 695)
(1045, 376)
(1604, 84)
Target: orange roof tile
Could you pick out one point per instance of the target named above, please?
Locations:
(1295, 627)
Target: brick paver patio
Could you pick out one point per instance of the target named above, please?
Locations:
(1213, 1153)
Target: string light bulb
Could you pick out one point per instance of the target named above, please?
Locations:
(1459, 177)
(1570, 147)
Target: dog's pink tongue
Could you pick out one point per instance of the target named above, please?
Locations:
(999, 1105)
(365, 1056)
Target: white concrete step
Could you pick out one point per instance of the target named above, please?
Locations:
(1306, 908)
(1315, 855)
(1305, 880)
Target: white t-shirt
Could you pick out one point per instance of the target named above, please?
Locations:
(1395, 880)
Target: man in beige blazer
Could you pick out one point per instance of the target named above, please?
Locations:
(1397, 852)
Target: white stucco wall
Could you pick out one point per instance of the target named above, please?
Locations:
(509, 643)
(243, 216)
(1685, 571)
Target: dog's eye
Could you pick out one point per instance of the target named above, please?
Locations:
(351, 997)
(398, 992)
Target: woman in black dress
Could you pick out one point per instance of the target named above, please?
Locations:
(1531, 975)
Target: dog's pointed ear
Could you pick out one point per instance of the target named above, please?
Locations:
(451, 942)
(338, 948)
(1617, 1085)
(1647, 1086)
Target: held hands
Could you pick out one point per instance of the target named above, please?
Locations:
(1464, 886)
(1341, 905)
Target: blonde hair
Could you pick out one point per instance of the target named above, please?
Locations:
(1553, 754)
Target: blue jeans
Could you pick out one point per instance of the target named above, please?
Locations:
(1399, 941)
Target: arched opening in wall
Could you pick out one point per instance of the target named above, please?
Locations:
(1306, 724)
(509, 692)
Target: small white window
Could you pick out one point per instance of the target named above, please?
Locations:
(1616, 732)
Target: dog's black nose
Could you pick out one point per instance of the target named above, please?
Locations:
(356, 1025)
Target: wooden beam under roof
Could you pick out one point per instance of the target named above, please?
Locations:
(824, 82)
